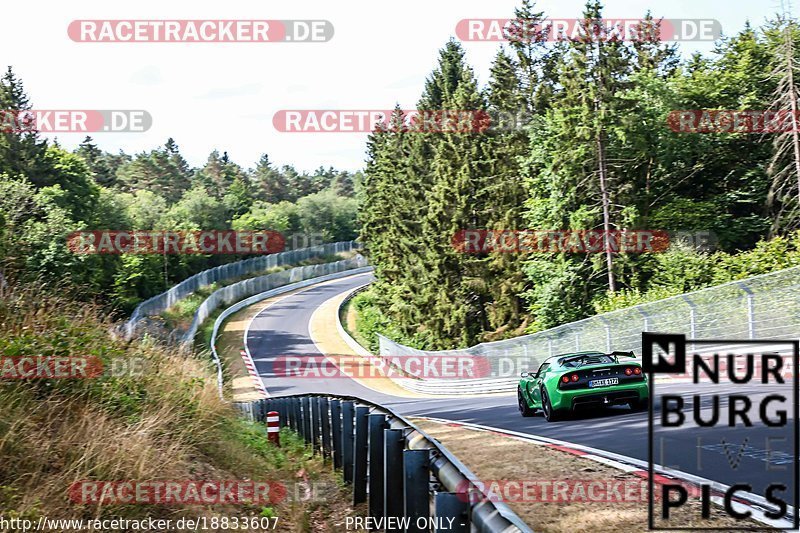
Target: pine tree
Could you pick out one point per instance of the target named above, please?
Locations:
(218, 174)
(383, 196)
(457, 199)
(343, 184)
(22, 153)
(270, 184)
(501, 273)
(95, 158)
(163, 171)
(784, 166)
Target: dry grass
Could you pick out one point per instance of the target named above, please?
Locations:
(496, 457)
(165, 423)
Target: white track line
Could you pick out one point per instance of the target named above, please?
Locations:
(279, 299)
(754, 503)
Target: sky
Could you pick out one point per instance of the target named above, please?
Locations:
(223, 96)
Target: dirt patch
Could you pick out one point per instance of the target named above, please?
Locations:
(495, 457)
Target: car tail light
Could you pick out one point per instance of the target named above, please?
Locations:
(565, 379)
(637, 370)
(628, 371)
(574, 377)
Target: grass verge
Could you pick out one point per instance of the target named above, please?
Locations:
(151, 415)
(496, 457)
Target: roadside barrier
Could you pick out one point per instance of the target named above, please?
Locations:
(230, 271)
(760, 307)
(404, 475)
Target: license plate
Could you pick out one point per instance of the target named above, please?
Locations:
(603, 382)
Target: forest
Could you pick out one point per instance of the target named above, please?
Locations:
(47, 192)
(596, 149)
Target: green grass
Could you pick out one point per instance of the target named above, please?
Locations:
(370, 320)
(180, 315)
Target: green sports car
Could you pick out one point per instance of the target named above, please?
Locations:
(569, 381)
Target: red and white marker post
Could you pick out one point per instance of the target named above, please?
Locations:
(273, 428)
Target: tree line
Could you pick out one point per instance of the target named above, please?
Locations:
(594, 152)
(47, 192)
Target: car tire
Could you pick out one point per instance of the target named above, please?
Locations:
(549, 413)
(522, 404)
(640, 405)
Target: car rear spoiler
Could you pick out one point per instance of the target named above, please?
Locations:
(623, 354)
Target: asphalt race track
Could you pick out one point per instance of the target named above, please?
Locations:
(715, 453)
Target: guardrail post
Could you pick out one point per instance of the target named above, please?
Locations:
(393, 472)
(298, 422)
(348, 411)
(360, 456)
(416, 474)
(326, 428)
(336, 433)
(377, 424)
(315, 424)
(646, 319)
(692, 316)
(751, 311)
(607, 327)
(307, 419)
(282, 412)
(692, 320)
(452, 512)
(301, 425)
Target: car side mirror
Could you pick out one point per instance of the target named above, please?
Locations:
(524, 374)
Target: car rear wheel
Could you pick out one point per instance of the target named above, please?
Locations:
(549, 413)
(640, 405)
(522, 403)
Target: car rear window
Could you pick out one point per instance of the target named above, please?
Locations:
(589, 359)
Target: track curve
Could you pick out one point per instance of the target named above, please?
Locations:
(283, 328)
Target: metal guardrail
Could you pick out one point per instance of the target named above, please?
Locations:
(161, 302)
(760, 307)
(356, 268)
(249, 287)
(390, 463)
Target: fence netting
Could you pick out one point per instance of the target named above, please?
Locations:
(761, 307)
